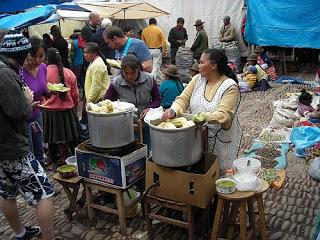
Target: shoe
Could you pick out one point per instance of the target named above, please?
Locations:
(30, 233)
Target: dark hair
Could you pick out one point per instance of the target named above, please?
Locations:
(218, 57)
(152, 21)
(55, 30)
(113, 32)
(94, 48)
(305, 97)
(131, 61)
(54, 58)
(36, 43)
(128, 28)
(180, 20)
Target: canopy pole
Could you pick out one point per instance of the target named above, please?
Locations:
(284, 61)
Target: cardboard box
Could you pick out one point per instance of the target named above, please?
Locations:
(189, 188)
(119, 171)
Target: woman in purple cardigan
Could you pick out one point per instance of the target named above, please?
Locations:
(34, 73)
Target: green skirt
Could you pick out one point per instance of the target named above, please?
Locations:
(60, 126)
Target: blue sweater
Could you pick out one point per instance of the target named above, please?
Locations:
(169, 90)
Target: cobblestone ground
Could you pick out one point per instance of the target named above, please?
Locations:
(290, 212)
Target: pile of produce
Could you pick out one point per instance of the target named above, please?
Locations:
(106, 106)
(270, 175)
(179, 122)
(268, 154)
(271, 137)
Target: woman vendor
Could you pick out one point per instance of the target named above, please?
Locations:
(214, 92)
(135, 86)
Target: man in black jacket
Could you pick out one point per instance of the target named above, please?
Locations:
(91, 26)
(177, 38)
(61, 44)
(20, 172)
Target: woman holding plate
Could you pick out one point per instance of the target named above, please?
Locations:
(60, 115)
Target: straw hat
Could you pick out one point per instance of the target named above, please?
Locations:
(195, 67)
(252, 57)
(171, 71)
(198, 22)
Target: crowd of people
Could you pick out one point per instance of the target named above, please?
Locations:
(32, 116)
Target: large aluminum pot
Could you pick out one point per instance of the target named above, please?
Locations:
(111, 130)
(175, 147)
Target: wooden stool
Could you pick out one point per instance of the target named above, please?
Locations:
(164, 203)
(119, 200)
(239, 200)
(71, 187)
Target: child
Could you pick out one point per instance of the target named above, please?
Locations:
(304, 104)
(250, 78)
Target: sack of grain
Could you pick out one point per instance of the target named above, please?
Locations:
(184, 61)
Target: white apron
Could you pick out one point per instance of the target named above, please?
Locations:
(223, 143)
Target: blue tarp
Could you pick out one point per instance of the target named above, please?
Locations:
(28, 18)
(20, 5)
(283, 23)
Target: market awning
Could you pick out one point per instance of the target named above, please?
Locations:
(20, 5)
(121, 10)
(28, 18)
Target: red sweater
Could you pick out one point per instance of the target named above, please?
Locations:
(54, 103)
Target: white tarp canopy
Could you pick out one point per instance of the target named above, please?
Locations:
(211, 12)
(73, 15)
(123, 10)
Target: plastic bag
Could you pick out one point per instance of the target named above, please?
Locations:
(314, 169)
(304, 137)
(153, 114)
(247, 181)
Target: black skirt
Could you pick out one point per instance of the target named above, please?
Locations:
(60, 126)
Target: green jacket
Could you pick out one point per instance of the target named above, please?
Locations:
(200, 44)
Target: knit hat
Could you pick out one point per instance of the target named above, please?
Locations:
(14, 42)
(252, 69)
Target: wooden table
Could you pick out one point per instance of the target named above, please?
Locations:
(239, 200)
(71, 187)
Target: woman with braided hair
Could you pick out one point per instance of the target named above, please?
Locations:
(215, 93)
(60, 115)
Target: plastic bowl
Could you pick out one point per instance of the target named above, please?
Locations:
(228, 189)
(72, 160)
(240, 165)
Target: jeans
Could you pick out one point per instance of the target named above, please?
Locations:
(173, 53)
(35, 132)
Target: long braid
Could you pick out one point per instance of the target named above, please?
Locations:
(62, 95)
(54, 57)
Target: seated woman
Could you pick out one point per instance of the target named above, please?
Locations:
(214, 92)
(304, 104)
(262, 77)
(137, 87)
(171, 87)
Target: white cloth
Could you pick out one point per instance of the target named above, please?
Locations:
(223, 143)
(156, 64)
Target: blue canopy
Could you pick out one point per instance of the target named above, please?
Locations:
(283, 23)
(28, 18)
(19, 5)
